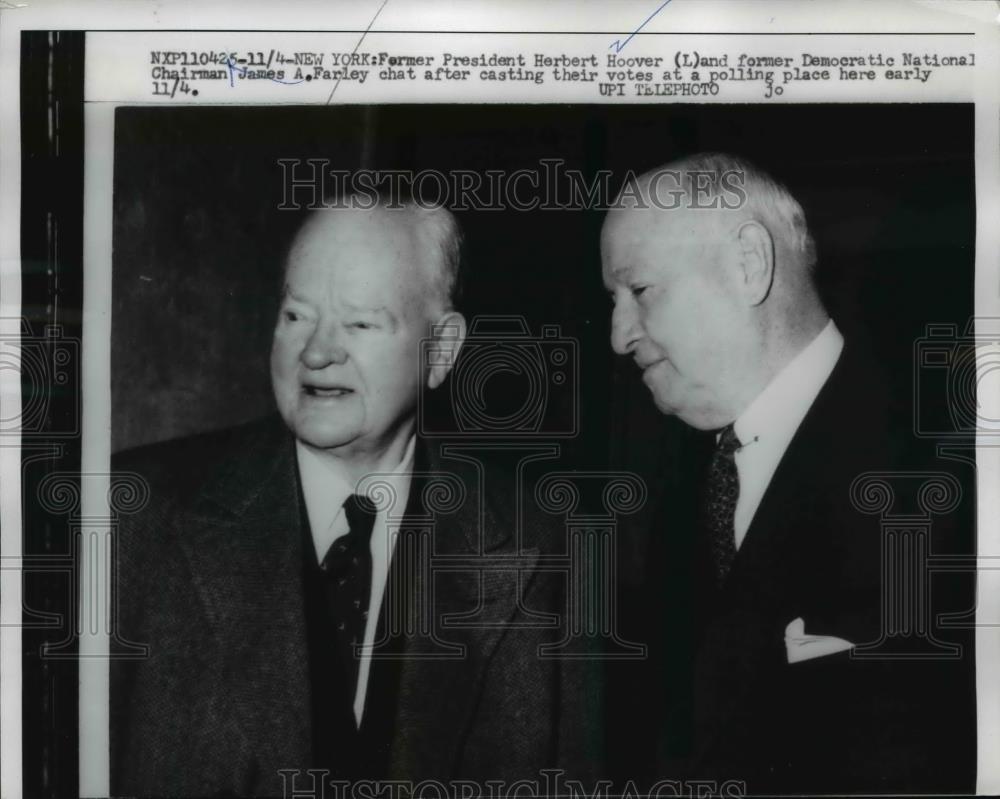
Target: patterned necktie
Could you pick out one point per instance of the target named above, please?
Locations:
(348, 569)
(722, 490)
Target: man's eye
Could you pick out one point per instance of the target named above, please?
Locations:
(362, 325)
(637, 291)
(291, 316)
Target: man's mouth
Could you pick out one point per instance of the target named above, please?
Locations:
(327, 392)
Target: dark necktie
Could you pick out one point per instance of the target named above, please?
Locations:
(348, 569)
(722, 490)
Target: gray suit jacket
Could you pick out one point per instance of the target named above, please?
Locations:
(209, 576)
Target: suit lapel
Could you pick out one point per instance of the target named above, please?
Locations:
(779, 527)
(773, 569)
(442, 672)
(243, 542)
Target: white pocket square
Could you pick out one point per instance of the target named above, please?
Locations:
(799, 646)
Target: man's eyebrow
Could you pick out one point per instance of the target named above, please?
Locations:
(377, 310)
(287, 292)
(620, 273)
(384, 309)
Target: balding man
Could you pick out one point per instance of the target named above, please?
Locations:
(767, 581)
(280, 575)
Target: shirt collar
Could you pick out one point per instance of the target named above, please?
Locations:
(326, 486)
(784, 402)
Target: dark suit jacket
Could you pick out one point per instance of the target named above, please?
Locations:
(210, 577)
(718, 698)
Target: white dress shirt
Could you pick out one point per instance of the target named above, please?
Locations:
(325, 487)
(767, 426)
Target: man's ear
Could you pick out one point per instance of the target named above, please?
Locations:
(757, 260)
(447, 337)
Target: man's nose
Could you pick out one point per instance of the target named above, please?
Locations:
(625, 331)
(324, 347)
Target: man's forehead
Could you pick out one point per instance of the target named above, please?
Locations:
(620, 237)
(367, 259)
(638, 238)
(339, 238)
(374, 226)
(654, 226)
(626, 230)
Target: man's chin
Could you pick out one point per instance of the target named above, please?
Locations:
(662, 400)
(699, 417)
(693, 415)
(662, 405)
(324, 436)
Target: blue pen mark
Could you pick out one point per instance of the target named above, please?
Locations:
(619, 45)
(233, 69)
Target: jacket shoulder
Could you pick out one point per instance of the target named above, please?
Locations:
(179, 467)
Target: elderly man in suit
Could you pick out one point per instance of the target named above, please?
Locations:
(285, 597)
(767, 581)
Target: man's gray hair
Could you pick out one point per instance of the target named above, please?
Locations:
(439, 225)
(712, 176)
